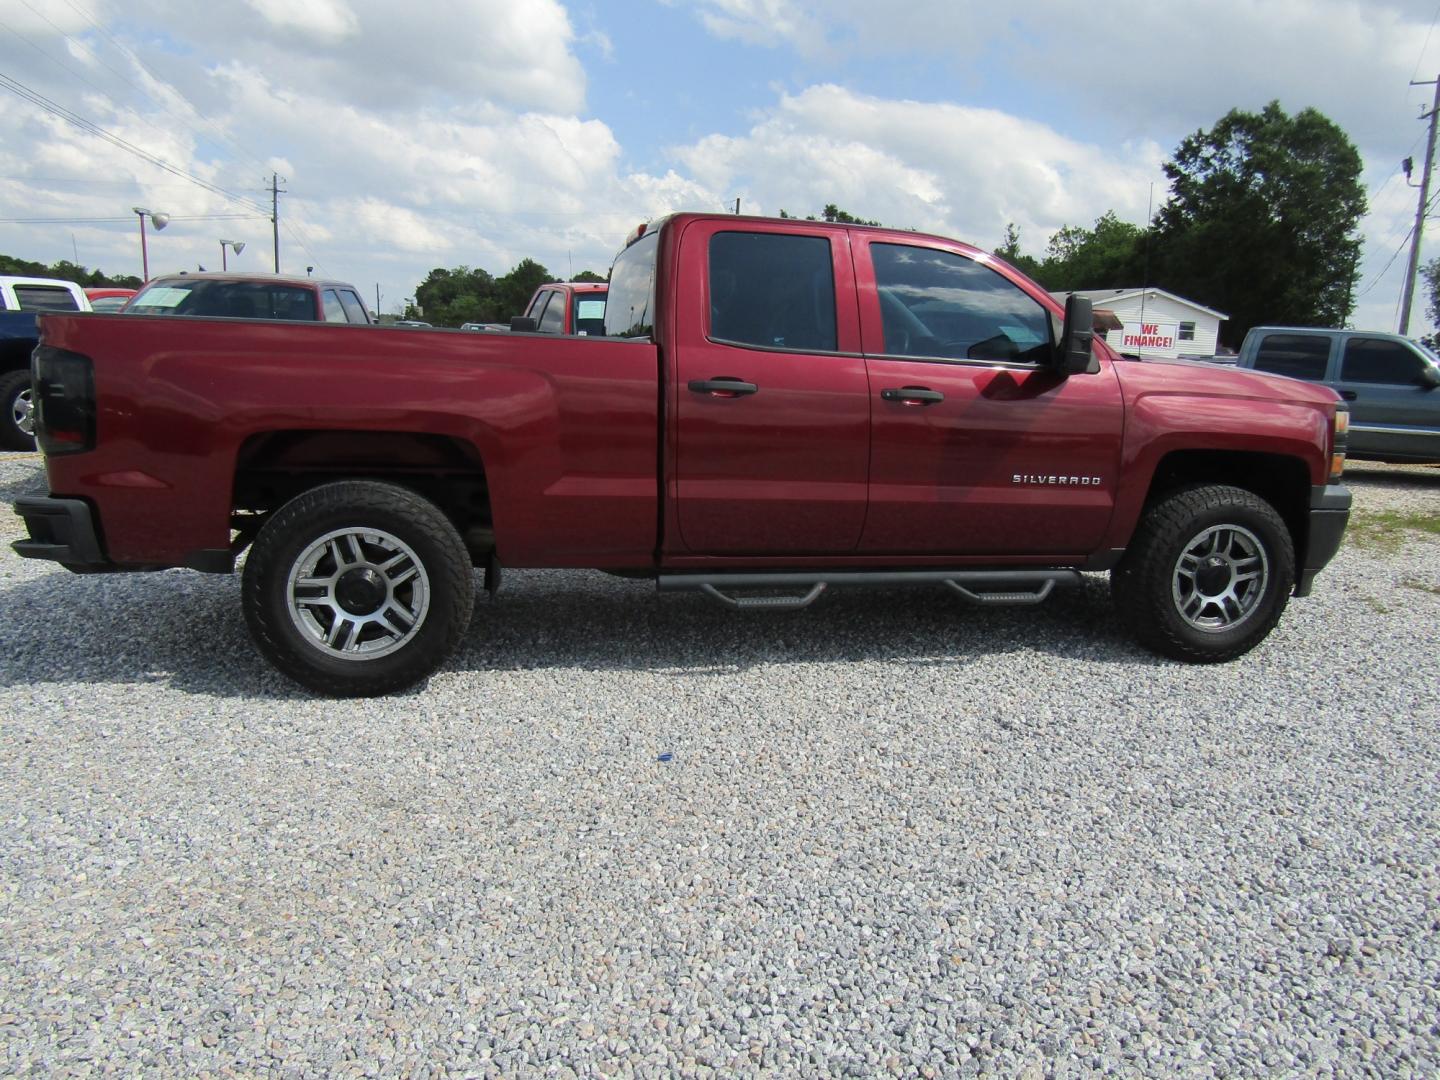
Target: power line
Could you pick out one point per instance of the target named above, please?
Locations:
(127, 218)
(36, 98)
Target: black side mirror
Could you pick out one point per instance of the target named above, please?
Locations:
(520, 324)
(1076, 354)
(1429, 377)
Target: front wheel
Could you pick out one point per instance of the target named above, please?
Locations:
(17, 411)
(357, 588)
(1207, 575)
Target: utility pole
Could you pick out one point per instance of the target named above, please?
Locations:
(275, 192)
(737, 204)
(1408, 297)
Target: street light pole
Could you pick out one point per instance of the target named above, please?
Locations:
(238, 245)
(159, 221)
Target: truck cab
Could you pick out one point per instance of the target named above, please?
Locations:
(1392, 384)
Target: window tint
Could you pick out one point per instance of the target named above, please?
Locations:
(935, 303)
(354, 309)
(553, 321)
(772, 290)
(1370, 360)
(228, 299)
(45, 298)
(630, 304)
(334, 310)
(537, 305)
(1300, 356)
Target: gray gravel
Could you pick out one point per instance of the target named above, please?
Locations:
(622, 835)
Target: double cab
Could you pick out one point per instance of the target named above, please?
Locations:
(775, 407)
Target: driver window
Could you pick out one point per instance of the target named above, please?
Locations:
(937, 303)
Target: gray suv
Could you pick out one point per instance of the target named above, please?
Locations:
(1391, 383)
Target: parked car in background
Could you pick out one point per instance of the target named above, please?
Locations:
(490, 327)
(250, 296)
(108, 298)
(567, 307)
(410, 323)
(21, 299)
(1391, 382)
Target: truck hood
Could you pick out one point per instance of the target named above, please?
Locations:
(1199, 379)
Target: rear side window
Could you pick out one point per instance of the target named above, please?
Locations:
(354, 309)
(1370, 360)
(1300, 356)
(45, 298)
(334, 310)
(553, 321)
(773, 291)
(630, 305)
(937, 303)
(225, 299)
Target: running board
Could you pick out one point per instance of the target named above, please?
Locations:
(984, 587)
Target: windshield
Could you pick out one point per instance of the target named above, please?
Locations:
(225, 299)
(629, 307)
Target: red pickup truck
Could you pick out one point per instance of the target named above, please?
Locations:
(776, 406)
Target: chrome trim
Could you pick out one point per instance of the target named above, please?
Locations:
(1354, 427)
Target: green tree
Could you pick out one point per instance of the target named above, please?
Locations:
(1430, 275)
(1009, 250)
(1110, 255)
(516, 287)
(1263, 219)
(590, 275)
(452, 297)
(65, 270)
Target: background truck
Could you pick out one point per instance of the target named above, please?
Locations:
(1392, 384)
(776, 407)
(565, 307)
(21, 301)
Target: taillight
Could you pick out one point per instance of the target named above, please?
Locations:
(1340, 440)
(64, 391)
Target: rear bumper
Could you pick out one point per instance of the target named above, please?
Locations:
(63, 531)
(1329, 514)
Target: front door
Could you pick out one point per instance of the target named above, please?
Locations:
(770, 396)
(1394, 409)
(977, 446)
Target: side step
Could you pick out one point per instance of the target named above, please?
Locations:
(985, 587)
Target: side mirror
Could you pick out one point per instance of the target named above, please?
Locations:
(1076, 354)
(1429, 377)
(519, 324)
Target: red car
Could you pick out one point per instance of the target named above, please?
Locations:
(568, 307)
(108, 299)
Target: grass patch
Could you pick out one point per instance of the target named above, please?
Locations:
(1385, 530)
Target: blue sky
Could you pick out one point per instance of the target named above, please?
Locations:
(479, 132)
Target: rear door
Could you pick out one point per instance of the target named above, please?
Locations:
(770, 398)
(1394, 409)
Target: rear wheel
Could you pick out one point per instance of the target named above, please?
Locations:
(357, 588)
(1208, 574)
(17, 411)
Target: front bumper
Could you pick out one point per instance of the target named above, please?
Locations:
(1329, 514)
(63, 531)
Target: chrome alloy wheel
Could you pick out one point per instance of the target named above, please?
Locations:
(23, 411)
(1220, 577)
(358, 594)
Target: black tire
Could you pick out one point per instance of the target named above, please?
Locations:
(358, 588)
(16, 411)
(1185, 586)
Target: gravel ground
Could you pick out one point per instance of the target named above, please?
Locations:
(620, 834)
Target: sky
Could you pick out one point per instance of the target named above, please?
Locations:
(445, 133)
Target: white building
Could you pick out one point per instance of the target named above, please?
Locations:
(1156, 323)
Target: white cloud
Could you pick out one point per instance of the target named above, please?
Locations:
(327, 21)
(954, 169)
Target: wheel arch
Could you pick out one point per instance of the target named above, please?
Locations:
(273, 467)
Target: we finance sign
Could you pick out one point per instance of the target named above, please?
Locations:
(1154, 337)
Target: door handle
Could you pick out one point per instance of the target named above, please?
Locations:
(1349, 395)
(912, 395)
(724, 386)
